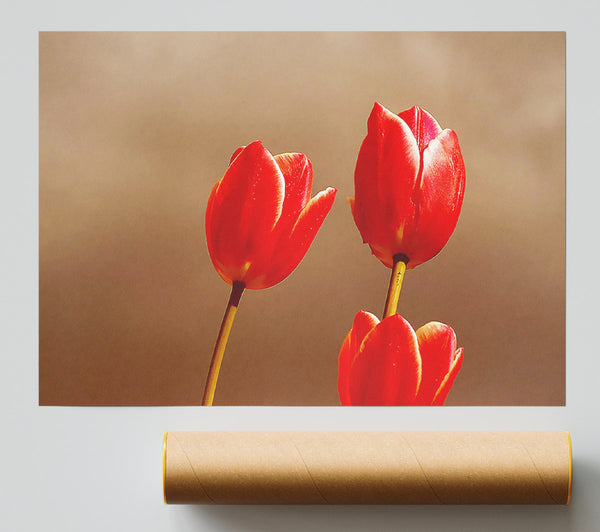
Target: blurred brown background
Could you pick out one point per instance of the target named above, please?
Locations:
(135, 128)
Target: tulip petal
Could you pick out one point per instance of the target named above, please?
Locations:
(424, 127)
(244, 209)
(297, 172)
(364, 322)
(444, 172)
(235, 154)
(208, 223)
(439, 197)
(345, 359)
(292, 246)
(387, 369)
(437, 344)
(448, 381)
(385, 176)
(296, 169)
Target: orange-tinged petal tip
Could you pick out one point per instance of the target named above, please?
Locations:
(235, 154)
(446, 385)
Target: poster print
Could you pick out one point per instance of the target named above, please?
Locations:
(137, 129)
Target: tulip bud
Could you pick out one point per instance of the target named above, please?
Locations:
(260, 218)
(409, 185)
(388, 363)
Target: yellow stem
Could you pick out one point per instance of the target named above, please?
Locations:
(215, 364)
(398, 269)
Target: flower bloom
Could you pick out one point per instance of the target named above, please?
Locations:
(409, 185)
(260, 218)
(388, 363)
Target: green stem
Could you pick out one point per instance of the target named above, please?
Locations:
(215, 364)
(398, 269)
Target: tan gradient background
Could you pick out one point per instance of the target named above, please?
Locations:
(135, 128)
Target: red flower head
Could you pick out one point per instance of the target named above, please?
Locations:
(388, 363)
(260, 218)
(409, 185)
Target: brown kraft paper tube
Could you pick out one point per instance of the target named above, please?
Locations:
(367, 467)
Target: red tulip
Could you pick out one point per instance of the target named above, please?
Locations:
(409, 185)
(388, 363)
(260, 218)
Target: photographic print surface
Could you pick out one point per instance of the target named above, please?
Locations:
(136, 129)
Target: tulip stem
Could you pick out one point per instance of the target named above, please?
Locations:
(215, 364)
(398, 269)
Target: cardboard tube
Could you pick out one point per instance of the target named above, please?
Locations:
(367, 467)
